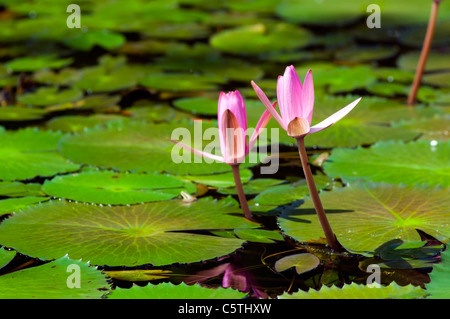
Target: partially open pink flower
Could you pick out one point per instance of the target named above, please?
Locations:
(296, 102)
(232, 122)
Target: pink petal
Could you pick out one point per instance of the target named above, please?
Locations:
(268, 105)
(334, 118)
(204, 154)
(264, 119)
(289, 91)
(308, 97)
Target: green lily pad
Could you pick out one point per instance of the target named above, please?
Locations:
(36, 63)
(357, 291)
(85, 41)
(138, 274)
(29, 153)
(414, 36)
(176, 31)
(140, 147)
(178, 82)
(364, 216)
(171, 291)
(17, 189)
(6, 256)
(302, 263)
(66, 76)
(219, 180)
(50, 96)
(253, 187)
(17, 114)
(323, 13)
(438, 79)
(152, 113)
(388, 89)
(365, 54)
(260, 38)
(159, 233)
(258, 235)
(440, 278)
(436, 128)
(436, 61)
(103, 187)
(53, 281)
(393, 162)
(77, 123)
(197, 105)
(369, 122)
(11, 205)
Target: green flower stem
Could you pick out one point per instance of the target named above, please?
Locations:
(240, 191)
(424, 54)
(331, 238)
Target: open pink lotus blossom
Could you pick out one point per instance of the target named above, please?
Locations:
(296, 102)
(232, 122)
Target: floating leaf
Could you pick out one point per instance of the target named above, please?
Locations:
(259, 38)
(181, 82)
(17, 114)
(53, 281)
(77, 123)
(159, 233)
(49, 96)
(440, 278)
(140, 147)
(103, 187)
(258, 235)
(435, 62)
(302, 263)
(436, 128)
(29, 153)
(6, 256)
(85, 41)
(219, 180)
(11, 205)
(138, 274)
(364, 216)
(356, 291)
(17, 189)
(393, 162)
(36, 63)
(171, 291)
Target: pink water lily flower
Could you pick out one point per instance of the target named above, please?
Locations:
(232, 122)
(296, 103)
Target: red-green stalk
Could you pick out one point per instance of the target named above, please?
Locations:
(240, 191)
(331, 238)
(424, 54)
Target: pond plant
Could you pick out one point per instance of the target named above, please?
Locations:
(170, 149)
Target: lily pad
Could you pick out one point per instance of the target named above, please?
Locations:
(440, 278)
(11, 205)
(49, 96)
(104, 187)
(53, 281)
(77, 123)
(259, 38)
(159, 233)
(141, 147)
(436, 61)
(197, 105)
(17, 114)
(17, 189)
(433, 129)
(171, 291)
(85, 41)
(6, 256)
(177, 82)
(302, 263)
(219, 180)
(36, 63)
(357, 291)
(393, 162)
(29, 153)
(364, 216)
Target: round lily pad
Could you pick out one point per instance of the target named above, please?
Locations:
(50, 96)
(141, 147)
(77, 123)
(159, 233)
(85, 41)
(36, 63)
(436, 61)
(365, 215)
(177, 82)
(171, 291)
(359, 291)
(302, 263)
(421, 162)
(104, 187)
(63, 278)
(259, 38)
(17, 114)
(29, 153)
